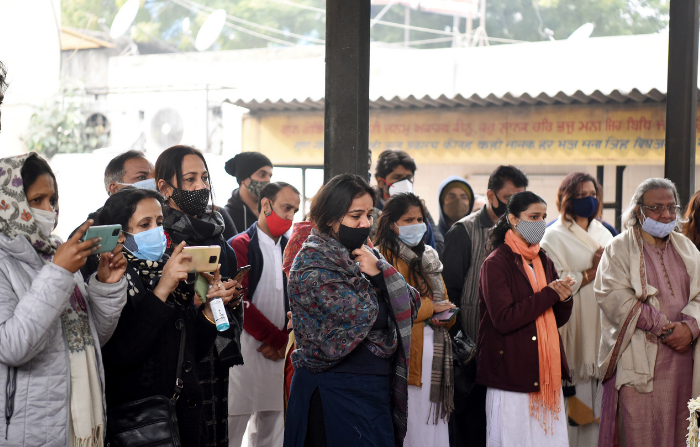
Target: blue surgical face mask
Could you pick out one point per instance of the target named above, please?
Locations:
(148, 245)
(412, 235)
(149, 183)
(656, 228)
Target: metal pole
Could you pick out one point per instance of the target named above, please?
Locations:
(682, 96)
(407, 22)
(455, 30)
(346, 136)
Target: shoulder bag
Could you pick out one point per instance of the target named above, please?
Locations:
(149, 421)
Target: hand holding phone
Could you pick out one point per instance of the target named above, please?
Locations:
(174, 271)
(108, 233)
(203, 259)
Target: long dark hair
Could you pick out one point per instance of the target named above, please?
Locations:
(169, 164)
(122, 204)
(518, 203)
(691, 228)
(333, 200)
(388, 240)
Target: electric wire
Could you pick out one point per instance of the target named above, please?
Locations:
(246, 22)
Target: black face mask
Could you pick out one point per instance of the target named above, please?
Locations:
(501, 209)
(192, 203)
(352, 238)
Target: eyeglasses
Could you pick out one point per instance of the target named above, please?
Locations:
(659, 209)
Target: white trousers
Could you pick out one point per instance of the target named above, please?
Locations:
(266, 429)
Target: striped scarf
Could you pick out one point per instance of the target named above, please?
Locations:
(441, 380)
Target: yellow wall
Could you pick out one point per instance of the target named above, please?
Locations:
(537, 135)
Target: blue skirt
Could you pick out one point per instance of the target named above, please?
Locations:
(356, 409)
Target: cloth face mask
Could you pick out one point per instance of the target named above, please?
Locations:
(148, 245)
(533, 232)
(192, 203)
(256, 186)
(456, 209)
(45, 220)
(412, 235)
(656, 228)
(500, 209)
(585, 206)
(276, 224)
(352, 238)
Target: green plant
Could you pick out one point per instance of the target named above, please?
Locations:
(59, 125)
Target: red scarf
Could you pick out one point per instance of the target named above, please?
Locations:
(545, 404)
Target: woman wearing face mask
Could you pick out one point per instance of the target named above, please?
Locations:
(352, 314)
(575, 244)
(182, 177)
(400, 239)
(522, 303)
(141, 357)
(52, 323)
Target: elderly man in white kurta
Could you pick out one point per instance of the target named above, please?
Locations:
(575, 244)
(256, 388)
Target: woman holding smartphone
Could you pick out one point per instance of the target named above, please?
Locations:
(142, 356)
(522, 303)
(352, 314)
(182, 177)
(52, 323)
(400, 239)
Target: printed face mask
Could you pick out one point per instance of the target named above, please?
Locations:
(656, 228)
(276, 224)
(352, 238)
(585, 206)
(412, 235)
(533, 232)
(256, 186)
(192, 203)
(45, 220)
(148, 245)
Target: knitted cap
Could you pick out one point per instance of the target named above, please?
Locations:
(245, 164)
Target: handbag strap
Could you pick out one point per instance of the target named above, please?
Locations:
(181, 357)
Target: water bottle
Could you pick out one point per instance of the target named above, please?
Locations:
(219, 311)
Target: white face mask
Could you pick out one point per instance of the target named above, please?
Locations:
(45, 220)
(401, 186)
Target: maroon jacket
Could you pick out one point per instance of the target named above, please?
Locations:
(508, 358)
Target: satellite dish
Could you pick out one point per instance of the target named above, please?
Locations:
(167, 128)
(210, 30)
(583, 32)
(124, 18)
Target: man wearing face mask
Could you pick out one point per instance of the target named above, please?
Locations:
(462, 259)
(394, 173)
(255, 388)
(648, 289)
(456, 200)
(253, 171)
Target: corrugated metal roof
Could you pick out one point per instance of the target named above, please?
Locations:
(427, 102)
(619, 69)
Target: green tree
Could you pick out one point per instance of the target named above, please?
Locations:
(59, 126)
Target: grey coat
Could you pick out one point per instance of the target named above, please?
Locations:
(32, 297)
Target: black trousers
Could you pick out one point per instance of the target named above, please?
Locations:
(468, 420)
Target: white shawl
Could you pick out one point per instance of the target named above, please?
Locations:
(571, 249)
(619, 286)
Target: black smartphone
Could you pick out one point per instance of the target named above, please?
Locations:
(240, 273)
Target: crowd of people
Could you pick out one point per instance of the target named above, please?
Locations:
(343, 331)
